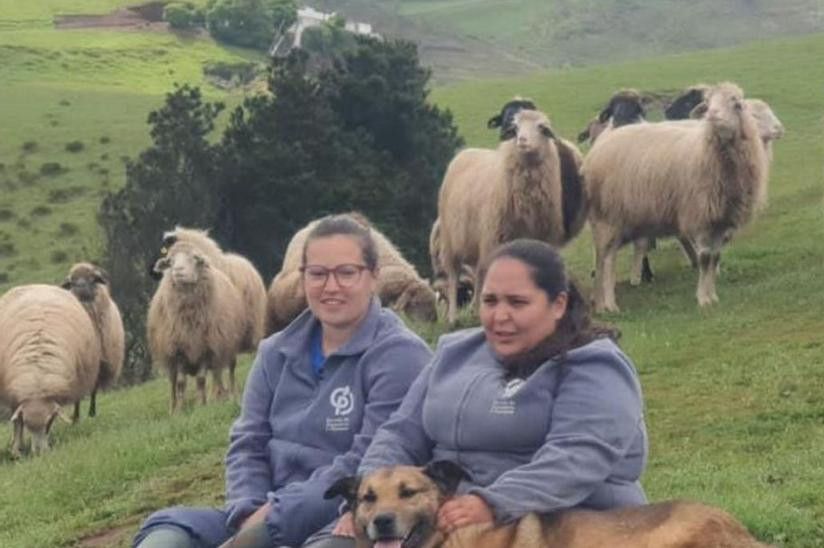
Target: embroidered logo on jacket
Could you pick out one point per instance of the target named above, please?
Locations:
(505, 404)
(343, 401)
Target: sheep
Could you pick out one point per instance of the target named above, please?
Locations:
(49, 357)
(399, 285)
(90, 284)
(240, 271)
(770, 129)
(195, 322)
(503, 120)
(701, 179)
(625, 107)
(528, 187)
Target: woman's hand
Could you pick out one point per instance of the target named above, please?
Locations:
(462, 511)
(258, 517)
(345, 526)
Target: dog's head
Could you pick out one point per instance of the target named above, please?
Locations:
(398, 507)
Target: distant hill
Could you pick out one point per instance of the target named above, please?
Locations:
(467, 38)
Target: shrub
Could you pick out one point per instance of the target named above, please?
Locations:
(6, 215)
(183, 15)
(27, 177)
(249, 23)
(29, 147)
(232, 74)
(22, 222)
(41, 211)
(50, 169)
(75, 146)
(4, 277)
(7, 249)
(58, 256)
(65, 103)
(105, 140)
(67, 229)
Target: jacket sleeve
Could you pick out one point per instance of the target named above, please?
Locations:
(299, 509)
(596, 415)
(248, 473)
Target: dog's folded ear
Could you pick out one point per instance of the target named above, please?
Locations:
(446, 475)
(345, 487)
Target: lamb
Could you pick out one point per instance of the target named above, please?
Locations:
(770, 129)
(529, 186)
(399, 285)
(90, 284)
(701, 179)
(49, 357)
(195, 322)
(240, 271)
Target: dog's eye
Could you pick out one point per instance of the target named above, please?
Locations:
(407, 493)
(369, 497)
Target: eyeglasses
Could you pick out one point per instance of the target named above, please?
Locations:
(346, 275)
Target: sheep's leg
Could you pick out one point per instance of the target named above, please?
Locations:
(451, 294)
(76, 414)
(606, 246)
(93, 403)
(218, 389)
(709, 255)
(201, 385)
(640, 262)
(174, 387)
(17, 439)
(232, 365)
(689, 250)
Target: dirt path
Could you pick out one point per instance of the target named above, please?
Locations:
(148, 16)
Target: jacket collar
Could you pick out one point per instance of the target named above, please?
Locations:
(297, 336)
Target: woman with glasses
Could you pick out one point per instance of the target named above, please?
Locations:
(316, 394)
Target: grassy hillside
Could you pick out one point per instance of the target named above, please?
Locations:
(90, 87)
(734, 394)
(515, 35)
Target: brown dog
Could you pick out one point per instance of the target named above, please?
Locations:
(397, 508)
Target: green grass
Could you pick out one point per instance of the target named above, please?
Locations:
(734, 394)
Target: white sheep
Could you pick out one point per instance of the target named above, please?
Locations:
(90, 284)
(702, 179)
(399, 286)
(240, 271)
(195, 322)
(49, 357)
(770, 129)
(466, 281)
(528, 187)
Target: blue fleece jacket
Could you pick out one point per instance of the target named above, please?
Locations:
(570, 435)
(298, 433)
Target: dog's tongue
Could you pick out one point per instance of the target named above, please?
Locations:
(387, 543)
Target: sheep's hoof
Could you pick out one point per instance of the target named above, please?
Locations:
(706, 301)
(635, 281)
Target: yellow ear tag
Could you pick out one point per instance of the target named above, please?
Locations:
(164, 250)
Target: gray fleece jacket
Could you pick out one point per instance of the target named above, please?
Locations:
(570, 435)
(298, 433)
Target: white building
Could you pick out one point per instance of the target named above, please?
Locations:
(307, 18)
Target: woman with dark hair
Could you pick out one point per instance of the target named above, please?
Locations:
(539, 405)
(315, 396)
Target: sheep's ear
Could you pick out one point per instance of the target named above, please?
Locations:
(199, 260)
(161, 264)
(67, 283)
(606, 114)
(345, 487)
(699, 110)
(447, 475)
(494, 122)
(18, 415)
(101, 276)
